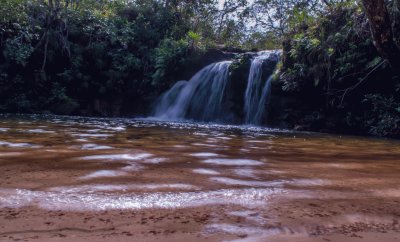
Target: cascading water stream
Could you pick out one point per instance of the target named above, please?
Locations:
(208, 95)
(257, 90)
(201, 98)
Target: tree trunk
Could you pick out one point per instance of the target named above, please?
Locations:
(395, 17)
(381, 30)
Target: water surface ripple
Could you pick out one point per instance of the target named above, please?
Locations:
(259, 176)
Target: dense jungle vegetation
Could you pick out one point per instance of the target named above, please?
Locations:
(340, 63)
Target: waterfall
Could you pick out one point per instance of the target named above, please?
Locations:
(258, 90)
(200, 98)
(166, 101)
(210, 96)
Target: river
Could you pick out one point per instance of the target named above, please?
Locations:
(92, 179)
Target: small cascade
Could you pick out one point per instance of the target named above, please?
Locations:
(201, 98)
(168, 99)
(258, 87)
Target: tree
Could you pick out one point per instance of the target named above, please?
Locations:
(382, 30)
(281, 16)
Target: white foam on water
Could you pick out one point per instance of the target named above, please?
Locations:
(39, 131)
(206, 145)
(168, 186)
(155, 160)
(349, 166)
(251, 198)
(204, 154)
(268, 172)
(4, 129)
(122, 188)
(230, 181)
(82, 140)
(201, 134)
(93, 135)
(212, 140)
(95, 147)
(224, 138)
(309, 182)
(257, 148)
(232, 229)
(251, 233)
(132, 167)
(233, 162)
(103, 173)
(139, 156)
(206, 171)
(120, 128)
(18, 145)
(244, 172)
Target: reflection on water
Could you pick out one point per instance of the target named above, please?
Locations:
(95, 164)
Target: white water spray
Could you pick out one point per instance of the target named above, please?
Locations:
(201, 98)
(258, 89)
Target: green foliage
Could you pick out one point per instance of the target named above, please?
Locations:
(327, 51)
(78, 52)
(330, 63)
(17, 51)
(12, 11)
(169, 56)
(262, 41)
(196, 41)
(299, 17)
(75, 52)
(194, 36)
(384, 117)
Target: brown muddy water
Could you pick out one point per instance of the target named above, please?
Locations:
(83, 179)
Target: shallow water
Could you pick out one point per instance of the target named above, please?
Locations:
(85, 164)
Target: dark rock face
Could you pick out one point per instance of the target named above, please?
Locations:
(239, 73)
(67, 107)
(295, 110)
(103, 108)
(291, 110)
(199, 60)
(269, 66)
